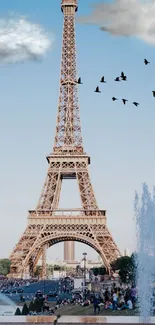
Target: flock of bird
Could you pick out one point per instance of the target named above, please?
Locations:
(121, 77)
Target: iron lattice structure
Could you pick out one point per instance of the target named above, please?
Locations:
(46, 224)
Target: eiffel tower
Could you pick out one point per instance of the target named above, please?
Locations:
(48, 225)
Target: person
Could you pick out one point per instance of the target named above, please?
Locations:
(114, 300)
(106, 294)
(128, 305)
(96, 304)
(133, 295)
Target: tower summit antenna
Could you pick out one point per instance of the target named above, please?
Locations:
(48, 225)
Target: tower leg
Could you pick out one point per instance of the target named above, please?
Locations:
(44, 268)
(86, 190)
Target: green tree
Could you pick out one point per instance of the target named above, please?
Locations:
(95, 271)
(38, 271)
(126, 267)
(99, 270)
(4, 266)
(17, 312)
(38, 304)
(57, 268)
(102, 270)
(31, 306)
(25, 310)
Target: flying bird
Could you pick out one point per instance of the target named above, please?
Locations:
(123, 77)
(103, 80)
(79, 81)
(146, 62)
(124, 101)
(114, 98)
(153, 93)
(97, 90)
(135, 103)
(117, 79)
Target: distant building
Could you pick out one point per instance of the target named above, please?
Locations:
(73, 264)
(90, 264)
(69, 251)
(126, 252)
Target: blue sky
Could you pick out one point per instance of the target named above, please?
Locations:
(118, 138)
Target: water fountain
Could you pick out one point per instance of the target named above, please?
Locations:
(145, 224)
(7, 306)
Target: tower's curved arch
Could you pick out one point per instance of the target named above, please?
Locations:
(53, 239)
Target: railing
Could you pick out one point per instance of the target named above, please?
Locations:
(67, 212)
(68, 150)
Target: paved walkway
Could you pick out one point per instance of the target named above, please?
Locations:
(72, 320)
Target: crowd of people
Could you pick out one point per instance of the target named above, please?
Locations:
(114, 297)
(66, 285)
(9, 284)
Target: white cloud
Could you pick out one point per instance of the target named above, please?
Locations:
(21, 40)
(125, 18)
